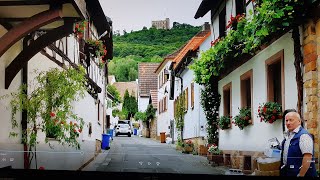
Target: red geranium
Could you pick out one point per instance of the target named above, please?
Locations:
(270, 112)
(52, 114)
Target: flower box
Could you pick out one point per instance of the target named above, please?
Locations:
(270, 112)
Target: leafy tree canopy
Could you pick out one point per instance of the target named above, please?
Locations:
(115, 93)
(146, 45)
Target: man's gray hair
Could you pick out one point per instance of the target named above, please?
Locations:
(294, 114)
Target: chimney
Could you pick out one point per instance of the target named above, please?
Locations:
(206, 26)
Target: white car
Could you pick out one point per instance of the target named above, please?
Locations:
(123, 129)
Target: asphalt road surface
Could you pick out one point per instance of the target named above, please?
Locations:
(144, 155)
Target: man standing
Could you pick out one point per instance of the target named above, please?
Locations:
(297, 155)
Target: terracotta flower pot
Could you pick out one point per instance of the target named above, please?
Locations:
(188, 149)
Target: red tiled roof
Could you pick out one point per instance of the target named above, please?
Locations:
(192, 45)
(148, 80)
(154, 98)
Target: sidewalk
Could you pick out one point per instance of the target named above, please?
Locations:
(99, 159)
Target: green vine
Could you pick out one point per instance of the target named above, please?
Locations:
(271, 16)
(49, 107)
(180, 111)
(210, 101)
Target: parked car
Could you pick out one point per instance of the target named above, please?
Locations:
(123, 129)
(126, 122)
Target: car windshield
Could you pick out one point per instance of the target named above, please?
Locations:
(160, 86)
(123, 126)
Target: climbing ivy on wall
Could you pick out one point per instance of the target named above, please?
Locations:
(49, 108)
(210, 101)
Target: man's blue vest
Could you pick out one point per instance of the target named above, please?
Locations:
(294, 159)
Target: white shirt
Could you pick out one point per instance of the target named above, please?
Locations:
(305, 143)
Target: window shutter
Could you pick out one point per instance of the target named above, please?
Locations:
(174, 107)
(192, 95)
(165, 103)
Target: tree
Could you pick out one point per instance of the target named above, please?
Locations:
(130, 104)
(115, 93)
(146, 116)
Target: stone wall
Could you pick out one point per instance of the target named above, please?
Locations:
(153, 129)
(237, 159)
(311, 77)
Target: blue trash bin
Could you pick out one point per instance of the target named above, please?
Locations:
(135, 131)
(105, 141)
(111, 133)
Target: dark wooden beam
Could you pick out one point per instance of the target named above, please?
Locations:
(31, 24)
(24, 3)
(36, 46)
(13, 19)
(6, 25)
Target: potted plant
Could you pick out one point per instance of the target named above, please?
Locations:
(214, 154)
(80, 28)
(243, 119)
(269, 112)
(224, 122)
(96, 48)
(188, 146)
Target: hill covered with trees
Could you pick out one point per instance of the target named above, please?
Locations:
(146, 45)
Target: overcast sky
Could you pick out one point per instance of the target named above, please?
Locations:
(134, 14)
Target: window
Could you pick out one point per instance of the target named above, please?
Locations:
(174, 107)
(90, 129)
(227, 161)
(186, 99)
(240, 6)
(227, 100)
(247, 163)
(222, 23)
(162, 102)
(275, 78)
(163, 78)
(240, 9)
(165, 103)
(98, 111)
(246, 89)
(192, 95)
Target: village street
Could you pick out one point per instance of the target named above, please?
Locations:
(139, 154)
